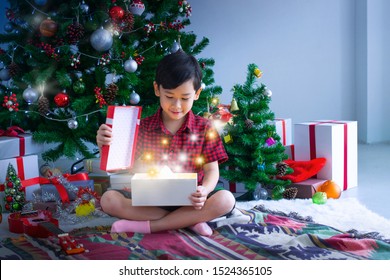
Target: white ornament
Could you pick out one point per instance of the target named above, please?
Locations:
(130, 65)
(101, 40)
(73, 124)
(5, 75)
(267, 92)
(134, 98)
(30, 95)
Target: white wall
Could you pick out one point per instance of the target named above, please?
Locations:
(322, 59)
(309, 53)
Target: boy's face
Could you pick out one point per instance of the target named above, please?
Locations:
(177, 102)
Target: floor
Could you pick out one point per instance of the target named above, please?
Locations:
(373, 190)
(374, 178)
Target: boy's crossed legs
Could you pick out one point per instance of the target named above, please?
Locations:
(153, 219)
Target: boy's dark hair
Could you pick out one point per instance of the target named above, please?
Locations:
(177, 68)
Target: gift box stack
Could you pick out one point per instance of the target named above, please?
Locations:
(18, 148)
(336, 141)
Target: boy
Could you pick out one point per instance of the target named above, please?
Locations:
(174, 136)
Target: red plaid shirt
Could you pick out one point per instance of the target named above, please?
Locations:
(197, 142)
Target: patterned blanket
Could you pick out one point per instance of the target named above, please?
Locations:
(264, 235)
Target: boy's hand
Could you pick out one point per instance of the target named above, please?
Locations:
(199, 197)
(104, 135)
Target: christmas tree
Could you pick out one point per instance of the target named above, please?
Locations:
(67, 60)
(254, 149)
(14, 195)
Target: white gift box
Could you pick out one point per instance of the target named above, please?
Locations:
(334, 140)
(172, 189)
(26, 167)
(289, 150)
(120, 181)
(124, 121)
(284, 130)
(23, 145)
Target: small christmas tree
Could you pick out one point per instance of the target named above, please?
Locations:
(14, 195)
(255, 152)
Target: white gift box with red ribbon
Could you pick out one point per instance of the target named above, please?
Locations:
(334, 140)
(18, 145)
(284, 130)
(125, 121)
(26, 168)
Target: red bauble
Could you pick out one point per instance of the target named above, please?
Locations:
(10, 184)
(116, 13)
(9, 198)
(48, 27)
(61, 99)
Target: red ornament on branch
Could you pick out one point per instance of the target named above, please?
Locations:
(116, 13)
(61, 99)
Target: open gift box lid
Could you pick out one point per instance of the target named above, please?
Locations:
(125, 121)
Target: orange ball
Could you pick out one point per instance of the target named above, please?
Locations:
(331, 189)
(48, 27)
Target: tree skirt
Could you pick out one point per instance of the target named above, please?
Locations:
(253, 234)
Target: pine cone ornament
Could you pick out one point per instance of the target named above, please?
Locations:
(127, 23)
(75, 32)
(13, 69)
(290, 193)
(281, 168)
(249, 123)
(111, 92)
(43, 105)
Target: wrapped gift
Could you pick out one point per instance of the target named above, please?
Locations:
(234, 187)
(92, 165)
(124, 121)
(100, 182)
(334, 140)
(289, 150)
(163, 189)
(307, 188)
(284, 130)
(26, 168)
(13, 143)
(120, 181)
(50, 192)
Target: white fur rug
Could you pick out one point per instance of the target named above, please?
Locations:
(343, 214)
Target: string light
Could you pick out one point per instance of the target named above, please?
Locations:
(193, 137)
(164, 141)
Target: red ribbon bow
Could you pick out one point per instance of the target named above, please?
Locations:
(60, 188)
(12, 131)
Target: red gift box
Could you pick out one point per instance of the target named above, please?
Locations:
(124, 121)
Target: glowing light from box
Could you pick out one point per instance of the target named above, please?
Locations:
(183, 157)
(178, 168)
(148, 156)
(212, 134)
(199, 160)
(219, 124)
(153, 172)
(194, 137)
(164, 141)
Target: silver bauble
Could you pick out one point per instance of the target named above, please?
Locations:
(73, 124)
(203, 85)
(130, 65)
(134, 98)
(267, 92)
(4, 74)
(84, 8)
(175, 47)
(1, 65)
(8, 27)
(101, 40)
(30, 95)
